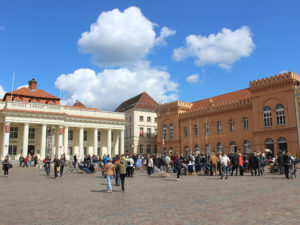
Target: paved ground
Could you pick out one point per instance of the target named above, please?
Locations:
(27, 196)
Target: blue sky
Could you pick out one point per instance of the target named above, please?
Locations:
(219, 45)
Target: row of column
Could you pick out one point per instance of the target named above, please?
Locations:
(62, 143)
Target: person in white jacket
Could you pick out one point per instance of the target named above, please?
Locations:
(225, 163)
(149, 165)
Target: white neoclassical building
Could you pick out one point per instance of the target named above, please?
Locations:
(32, 122)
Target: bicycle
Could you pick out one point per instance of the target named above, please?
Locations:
(292, 171)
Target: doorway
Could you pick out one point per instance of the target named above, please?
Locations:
(31, 149)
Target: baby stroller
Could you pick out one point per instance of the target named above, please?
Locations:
(183, 169)
(274, 166)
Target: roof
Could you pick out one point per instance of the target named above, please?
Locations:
(225, 98)
(37, 93)
(141, 101)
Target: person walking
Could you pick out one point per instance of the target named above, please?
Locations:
(178, 165)
(56, 163)
(110, 173)
(149, 165)
(47, 165)
(122, 169)
(235, 164)
(21, 159)
(6, 165)
(241, 164)
(213, 161)
(25, 162)
(117, 168)
(225, 163)
(62, 165)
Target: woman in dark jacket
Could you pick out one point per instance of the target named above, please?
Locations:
(5, 165)
(178, 167)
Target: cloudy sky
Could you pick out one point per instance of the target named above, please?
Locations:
(104, 52)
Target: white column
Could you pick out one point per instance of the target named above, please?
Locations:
(60, 141)
(81, 142)
(116, 148)
(122, 142)
(25, 139)
(6, 131)
(95, 141)
(66, 140)
(109, 142)
(43, 141)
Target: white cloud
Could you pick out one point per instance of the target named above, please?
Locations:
(164, 33)
(194, 78)
(2, 92)
(223, 49)
(109, 88)
(25, 85)
(283, 71)
(118, 38)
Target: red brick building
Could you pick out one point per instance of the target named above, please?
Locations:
(252, 119)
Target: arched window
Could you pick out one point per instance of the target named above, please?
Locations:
(282, 143)
(208, 149)
(171, 150)
(269, 144)
(197, 148)
(220, 147)
(267, 117)
(164, 132)
(245, 122)
(231, 125)
(219, 127)
(247, 146)
(232, 146)
(171, 131)
(280, 117)
(185, 131)
(196, 130)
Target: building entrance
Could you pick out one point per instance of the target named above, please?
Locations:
(31, 149)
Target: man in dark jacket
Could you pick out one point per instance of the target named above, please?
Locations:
(56, 163)
(286, 162)
(235, 164)
(178, 167)
(280, 162)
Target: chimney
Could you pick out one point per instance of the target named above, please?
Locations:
(32, 84)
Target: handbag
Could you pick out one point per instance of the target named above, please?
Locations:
(9, 166)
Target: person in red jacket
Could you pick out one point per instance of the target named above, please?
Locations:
(241, 164)
(25, 162)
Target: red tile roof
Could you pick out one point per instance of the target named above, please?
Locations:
(141, 101)
(37, 93)
(225, 98)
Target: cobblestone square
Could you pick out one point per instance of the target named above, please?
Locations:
(29, 197)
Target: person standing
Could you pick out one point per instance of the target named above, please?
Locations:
(117, 168)
(213, 161)
(47, 165)
(122, 169)
(6, 165)
(241, 164)
(286, 162)
(235, 164)
(280, 162)
(21, 159)
(75, 161)
(56, 163)
(25, 162)
(178, 165)
(225, 163)
(110, 173)
(149, 165)
(62, 164)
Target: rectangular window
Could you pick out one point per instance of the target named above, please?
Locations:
(12, 150)
(70, 150)
(148, 119)
(231, 125)
(70, 135)
(155, 148)
(196, 130)
(141, 118)
(148, 149)
(98, 151)
(99, 136)
(13, 132)
(141, 131)
(219, 127)
(31, 133)
(185, 131)
(141, 149)
(206, 128)
(155, 132)
(155, 119)
(148, 132)
(84, 150)
(245, 120)
(84, 135)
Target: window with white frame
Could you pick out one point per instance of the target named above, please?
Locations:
(267, 117)
(185, 131)
(197, 148)
(12, 150)
(84, 150)
(196, 130)
(148, 119)
(232, 146)
(245, 122)
(141, 118)
(171, 131)
(98, 151)
(280, 117)
(155, 119)
(70, 135)
(164, 135)
(220, 147)
(13, 132)
(219, 127)
(70, 150)
(141, 131)
(206, 128)
(31, 134)
(247, 146)
(231, 125)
